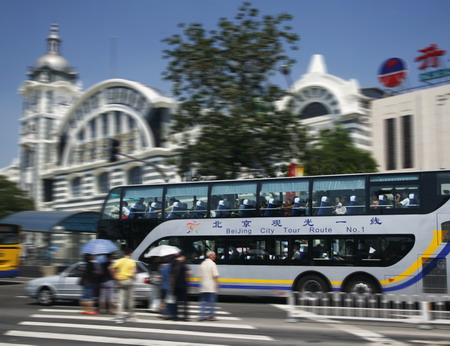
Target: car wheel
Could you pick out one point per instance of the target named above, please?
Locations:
(45, 296)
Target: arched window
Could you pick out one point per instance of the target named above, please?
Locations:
(135, 175)
(312, 110)
(103, 182)
(75, 187)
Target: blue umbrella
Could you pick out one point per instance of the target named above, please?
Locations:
(98, 247)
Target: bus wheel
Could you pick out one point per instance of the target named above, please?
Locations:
(312, 283)
(45, 296)
(362, 285)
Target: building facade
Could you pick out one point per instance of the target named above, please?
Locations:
(411, 130)
(66, 134)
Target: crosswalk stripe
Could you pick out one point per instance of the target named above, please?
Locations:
(7, 344)
(148, 321)
(143, 330)
(101, 339)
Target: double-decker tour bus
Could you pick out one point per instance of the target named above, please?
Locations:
(377, 232)
(9, 250)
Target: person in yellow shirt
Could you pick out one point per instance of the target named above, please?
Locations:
(124, 273)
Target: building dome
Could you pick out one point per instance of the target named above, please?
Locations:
(52, 66)
(52, 61)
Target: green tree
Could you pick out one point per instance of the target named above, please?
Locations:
(13, 199)
(335, 153)
(227, 120)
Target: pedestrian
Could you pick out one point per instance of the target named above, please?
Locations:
(124, 272)
(165, 270)
(106, 299)
(179, 284)
(209, 286)
(89, 281)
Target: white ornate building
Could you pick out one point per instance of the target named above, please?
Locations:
(324, 100)
(66, 133)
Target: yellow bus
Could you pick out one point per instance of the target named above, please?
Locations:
(9, 250)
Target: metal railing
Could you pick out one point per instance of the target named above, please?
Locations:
(422, 310)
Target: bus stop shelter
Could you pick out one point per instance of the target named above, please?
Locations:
(53, 238)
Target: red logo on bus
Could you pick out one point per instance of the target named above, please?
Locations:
(193, 227)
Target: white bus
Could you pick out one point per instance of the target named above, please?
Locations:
(364, 233)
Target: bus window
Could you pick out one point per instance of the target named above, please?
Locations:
(396, 247)
(246, 250)
(343, 250)
(320, 250)
(186, 201)
(9, 238)
(369, 250)
(394, 191)
(284, 198)
(333, 196)
(142, 202)
(300, 251)
(279, 250)
(111, 208)
(233, 199)
(195, 249)
(443, 185)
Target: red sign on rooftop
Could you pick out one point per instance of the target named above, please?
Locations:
(430, 56)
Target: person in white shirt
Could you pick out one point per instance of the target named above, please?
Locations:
(402, 200)
(209, 287)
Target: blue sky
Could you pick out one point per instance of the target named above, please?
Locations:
(355, 37)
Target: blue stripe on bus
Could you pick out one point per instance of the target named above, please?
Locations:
(443, 254)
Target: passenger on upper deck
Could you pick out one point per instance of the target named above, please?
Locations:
(246, 208)
(222, 209)
(299, 207)
(402, 200)
(339, 207)
(137, 210)
(153, 211)
(200, 210)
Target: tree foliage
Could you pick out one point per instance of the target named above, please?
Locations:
(227, 122)
(335, 153)
(13, 199)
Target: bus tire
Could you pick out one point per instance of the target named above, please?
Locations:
(312, 283)
(362, 284)
(45, 296)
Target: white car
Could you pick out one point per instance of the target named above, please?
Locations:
(64, 286)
